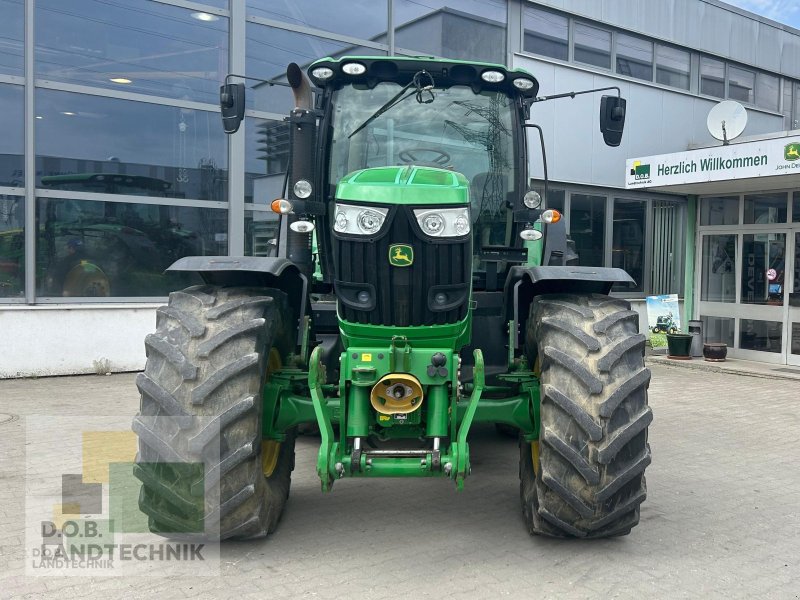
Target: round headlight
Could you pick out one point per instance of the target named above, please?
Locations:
(302, 188)
(530, 235)
(369, 221)
(363, 297)
(532, 199)
(492, 76)
(440, 298)
(322, 73)
(302, 226)
(521, 83)
(461, 226)
(341, 222)
(354, 68)
(433, 224)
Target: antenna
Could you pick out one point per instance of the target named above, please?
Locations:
(726, 121)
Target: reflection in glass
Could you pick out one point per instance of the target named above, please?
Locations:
(260, 233)
(767, 87)
(132, 45)
(164, 151)
(555, 199)
(718, 330)
(627, 250)
(634, 57)
(12, 34)
(97, 249)
(721, 210)
(546, 33)
(460, 29)
(587, 220)
(741, 84)
(12, 247)
(267, 159)
(764, 336)
(712, 77)
(363, 19)
(763, 268)
(761, 209)
(718, 269)
(673, 67)
(796, 207)
(592, 46)
(12, 135)
(795, 330)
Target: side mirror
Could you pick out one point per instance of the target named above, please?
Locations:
(231, 103)
(612, 119)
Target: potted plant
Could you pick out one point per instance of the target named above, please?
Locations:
(679, 346)
(715, 351)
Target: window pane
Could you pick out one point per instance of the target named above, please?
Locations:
(723, 210)
(718, 269)
(95, 144)
(461, 29)
(627, 249)
(667, 247)
(587, 221)
(592, 46)
(741, 84)
(767, 91)
(712, 77)
(673, 67)
(546, 33)
(796, 207)
(363, 19)
(269, 52)
(89, 249)
(718, 330)
(135, 46)
(12, 34)
(763, 265)
(12, 247)
(634, 57)
(267, 158)
(12, 135)
(765, 336)
(765, 208)
(260, 233)
(555, 199)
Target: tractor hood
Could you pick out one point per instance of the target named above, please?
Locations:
(404, 185)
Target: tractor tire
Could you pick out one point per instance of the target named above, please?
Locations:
(584, 477)
(207, 364)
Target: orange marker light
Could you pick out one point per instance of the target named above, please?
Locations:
(551, 216)
(281, 206)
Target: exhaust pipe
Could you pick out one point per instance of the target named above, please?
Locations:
(301, 88)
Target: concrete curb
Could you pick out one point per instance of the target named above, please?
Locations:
(731, 366)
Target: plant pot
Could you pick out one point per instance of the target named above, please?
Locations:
(715, 351)
(679, 345)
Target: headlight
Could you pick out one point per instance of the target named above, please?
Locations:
(492, 76)
(354, 68)
(358, 220)
(443, 222)
(532, 199)
(523, 84)
(302, 189)
(322, 73)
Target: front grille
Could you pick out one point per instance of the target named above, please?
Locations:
(402, 294)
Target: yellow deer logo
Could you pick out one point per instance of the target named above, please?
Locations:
(791, 152)
(401, 255)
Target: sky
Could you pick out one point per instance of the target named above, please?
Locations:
(782, 11)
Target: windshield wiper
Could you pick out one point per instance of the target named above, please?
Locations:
(421, 89)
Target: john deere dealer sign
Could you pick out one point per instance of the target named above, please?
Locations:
(735, 161)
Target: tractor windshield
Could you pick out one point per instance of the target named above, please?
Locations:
(454, 128)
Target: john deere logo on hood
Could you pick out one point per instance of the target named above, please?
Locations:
(791, 152)
(401, 255)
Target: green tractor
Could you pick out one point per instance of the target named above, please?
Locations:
(440, 293)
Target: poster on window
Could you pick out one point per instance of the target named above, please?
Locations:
(663, 317)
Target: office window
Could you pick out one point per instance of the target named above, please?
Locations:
(12, 34)
(722, 210)
(627, 246)
(712, 77)
(718, 268)
(763, 268)
(634, 57)
(266, 159)
(365, 19)
(12, 135)
(741, 84)
(673, 67)
(587, 222)
(592, 46)
(761, 209)
(546, 33)
(767, 91)
(12, 247)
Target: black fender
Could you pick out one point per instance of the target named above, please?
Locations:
(255, 271)
(525, 283)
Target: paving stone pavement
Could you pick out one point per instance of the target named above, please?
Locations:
(722, 518)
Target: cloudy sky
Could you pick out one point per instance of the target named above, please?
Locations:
(783, 11)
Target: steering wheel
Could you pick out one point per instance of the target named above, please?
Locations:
(439, 159)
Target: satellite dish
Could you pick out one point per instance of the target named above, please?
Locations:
(727, 120)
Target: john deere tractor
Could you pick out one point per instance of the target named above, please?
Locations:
(441, 292)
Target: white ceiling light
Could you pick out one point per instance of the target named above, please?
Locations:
(204, 16)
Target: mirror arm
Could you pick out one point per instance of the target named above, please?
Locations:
(573, 94)
(229, 75)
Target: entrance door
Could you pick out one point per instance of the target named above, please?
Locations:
(793, 289)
